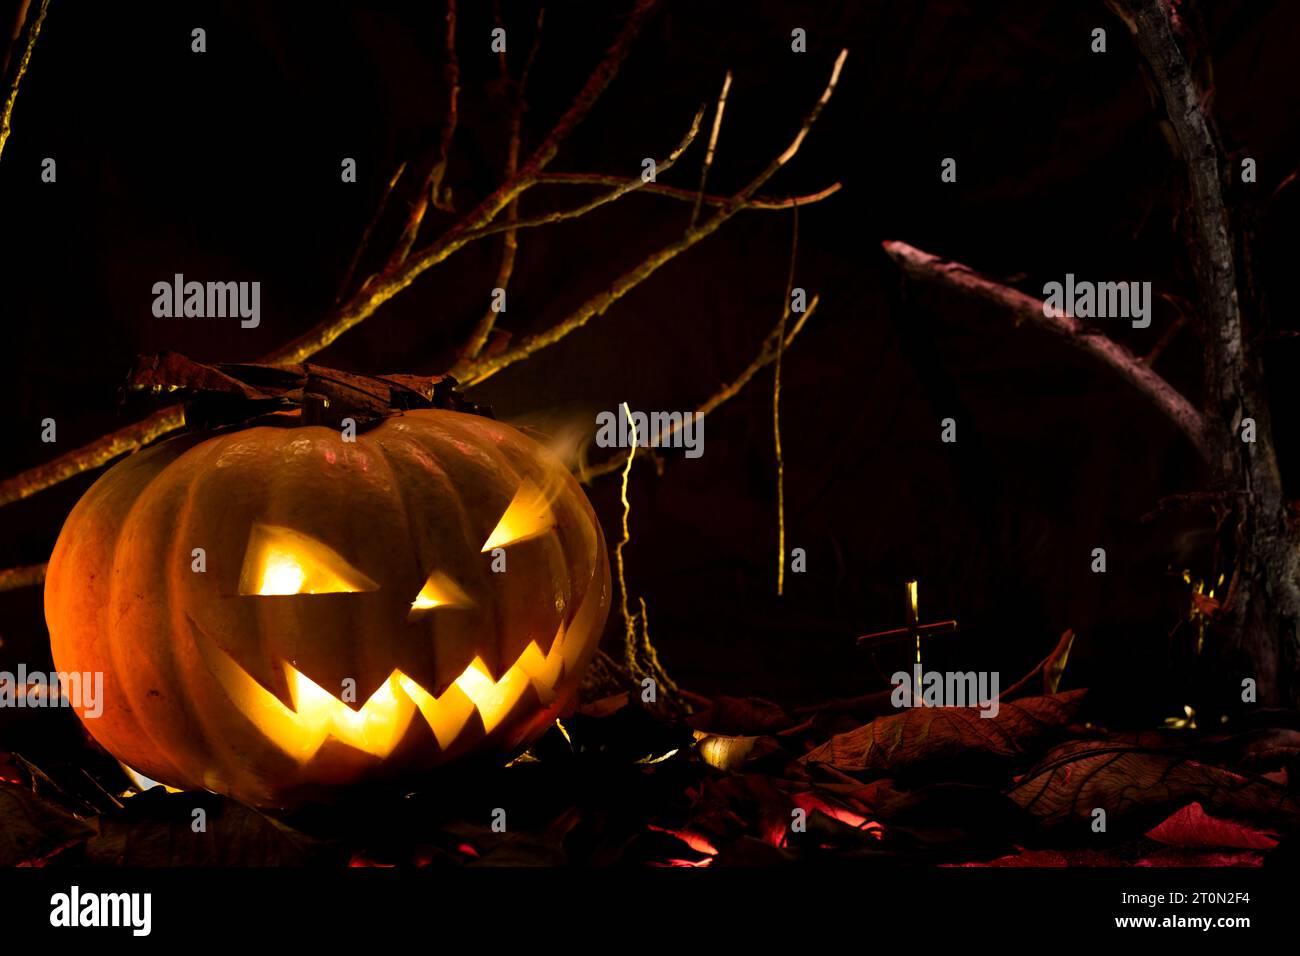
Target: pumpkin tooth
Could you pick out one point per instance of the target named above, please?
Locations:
(264, 671)
(439, 591)
(376, 728)
(544, 669)
(494, 699)
(446, 714)
(301, 729)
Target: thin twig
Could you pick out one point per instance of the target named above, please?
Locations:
(713, 145)
(629, 186)
(1165, 339)
(1025, 308)
(99, 452)
(629, 623)
(7, 111)
(365, 236)
(510, 241)
(651, 655)
(766, 355)
(598, 304)
(20, 20)
(431, 190)
(774, 203)
(776, 411)
(11, 579)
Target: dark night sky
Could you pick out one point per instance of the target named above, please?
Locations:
(225, 165)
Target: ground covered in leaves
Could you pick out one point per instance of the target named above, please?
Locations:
(741, 781)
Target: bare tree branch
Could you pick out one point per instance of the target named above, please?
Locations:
(364, 244)
(391, 282)
(510, 241)
(630, 185)
(1025, 308)
(776, 409)
(11, 96)
(773, 203)
(11, 579)
(474, 345)
(485, 367)
(98, 452)
(431, 192)
(713, 145)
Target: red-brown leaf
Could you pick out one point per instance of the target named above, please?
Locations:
(935, 734)
(1138, 787)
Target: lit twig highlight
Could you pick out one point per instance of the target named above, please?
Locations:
(629, 622)
(510, 241)
(11, 579)
(97, 453)
(652, 655)
(713, 145)
(7, 111)
(431, 191)
(766, 204)
(628, 186)
(640, 657)
(776, 412)
(765, 357)
(365, 236)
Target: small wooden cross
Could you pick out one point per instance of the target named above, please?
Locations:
(914, 629)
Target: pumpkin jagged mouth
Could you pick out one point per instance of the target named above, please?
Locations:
(380, 724)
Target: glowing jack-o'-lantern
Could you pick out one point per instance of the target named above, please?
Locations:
(279, 612)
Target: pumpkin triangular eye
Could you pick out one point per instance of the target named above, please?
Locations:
(283, 561)
(440, 591)
(528, 515)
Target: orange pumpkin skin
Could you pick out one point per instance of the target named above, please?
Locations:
(282, 696)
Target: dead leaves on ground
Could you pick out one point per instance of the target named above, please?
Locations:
(743, 782)
(925, 736)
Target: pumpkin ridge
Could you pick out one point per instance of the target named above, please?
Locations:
(180, 648)
(165, 655)
(130, 481)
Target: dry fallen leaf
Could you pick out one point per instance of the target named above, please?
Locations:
(32, 829)
(945, 734)
(1193, 827)
(1140, 787)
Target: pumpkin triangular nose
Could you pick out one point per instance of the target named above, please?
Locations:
(439, 591)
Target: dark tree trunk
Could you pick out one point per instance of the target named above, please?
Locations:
(1261, 623)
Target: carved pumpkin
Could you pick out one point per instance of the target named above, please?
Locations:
(368, 609)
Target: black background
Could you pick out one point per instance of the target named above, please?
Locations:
(225, 165)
